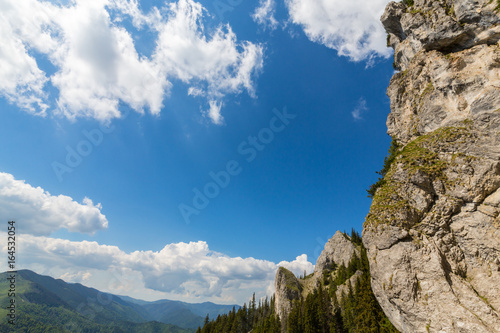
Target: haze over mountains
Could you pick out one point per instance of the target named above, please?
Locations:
(45, 303)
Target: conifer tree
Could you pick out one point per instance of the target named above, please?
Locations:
(322, 311)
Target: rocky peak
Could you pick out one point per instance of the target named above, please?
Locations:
(433, 230)
(288, 288)
(339, 250)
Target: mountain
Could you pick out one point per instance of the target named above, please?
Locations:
(186, 315)
(429, 256)
(336, 297)
(433, 230)
(54, 305)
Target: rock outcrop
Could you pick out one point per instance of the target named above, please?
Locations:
(288, 289)
(442, 25)
(343, 290)
(339, 250)
(433, 231)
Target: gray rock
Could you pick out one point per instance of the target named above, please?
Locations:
(339, 249)
(441, 25)
(288, 289)
(343, 289)
(433, 231)
(493, 199)
(439, 90)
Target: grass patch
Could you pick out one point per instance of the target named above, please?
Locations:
(388, 160)
(291, 281)
(420, 155)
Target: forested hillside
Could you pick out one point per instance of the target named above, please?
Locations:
(342, 302)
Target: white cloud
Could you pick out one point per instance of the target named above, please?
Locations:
(214, 112)
(359, 109)
(42, 213)
(213, 65)
(352, 27)
(21, 81)
(188, 271)
(97, 65)
(264, 14)
(299, 265)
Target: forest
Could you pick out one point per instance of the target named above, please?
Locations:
(321, 311)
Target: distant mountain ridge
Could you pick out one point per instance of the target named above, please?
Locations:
(187, 315)
(57, 306)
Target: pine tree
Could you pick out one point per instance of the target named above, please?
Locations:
(355, 310)
(355, 237)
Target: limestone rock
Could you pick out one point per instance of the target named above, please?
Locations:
(441, 25)
(288, 288)
(433, 230)
(439, 90)
(343, 289)
(339, 249)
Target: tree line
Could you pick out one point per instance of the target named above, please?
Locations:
(354, 309)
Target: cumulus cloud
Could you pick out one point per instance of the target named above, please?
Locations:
(359, 109)
(98, 66)
(184, 51)
(43, 213)
(299, 265)
(264, 14)
(180, 270)
(21, 81)
(352, 27)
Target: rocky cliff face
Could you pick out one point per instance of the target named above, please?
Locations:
(433, 231)
(288, 288)
(339, 250)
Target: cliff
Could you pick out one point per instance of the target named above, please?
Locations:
(339, 250)
(433, 230)
(288, 289)
(336, 297)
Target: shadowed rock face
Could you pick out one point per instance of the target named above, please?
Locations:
(433, 231)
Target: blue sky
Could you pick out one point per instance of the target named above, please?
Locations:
(115, 113)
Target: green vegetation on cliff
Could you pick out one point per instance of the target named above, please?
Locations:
(408, 3)
(259, 318)
(422, 155)
(290, 280)
(340, 306)
(337, 305)
(388, 160)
